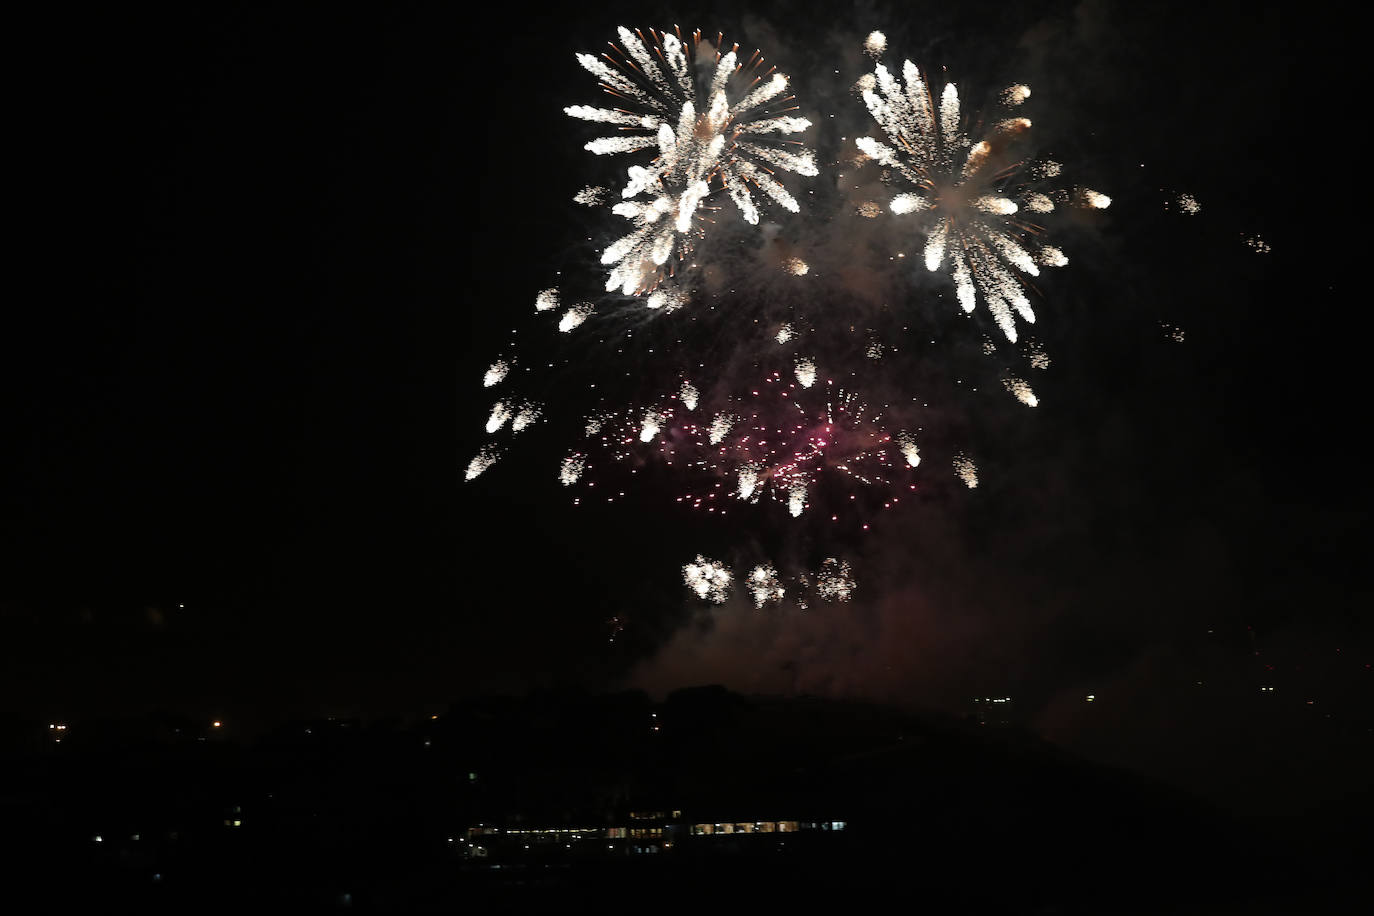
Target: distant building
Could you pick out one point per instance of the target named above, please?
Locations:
(642, 833)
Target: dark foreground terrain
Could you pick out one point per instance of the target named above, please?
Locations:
(708, 802)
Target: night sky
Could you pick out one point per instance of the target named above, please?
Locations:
(270, 260)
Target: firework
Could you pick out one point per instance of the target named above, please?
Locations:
(575, 316)
(1021, 390)
(547, 299)
(669, 299)
(594, 422)
(709, 579)
(688, 395)
(967, 471)
(1188, 205)
(1015, 95)
(779, 442)
(571, 468)
(875, 44)
(650, 424)
(906, 443)
(785, 333)
(500, 413)
(805, 370)
(707, 139)
(496, 374)
(972, 197)
(765, 586)
(750, 476)
(721, 425)
(484, 459)
(835, 580)
(525, 417)
(591, 196)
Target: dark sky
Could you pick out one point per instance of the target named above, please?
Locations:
(271, 257)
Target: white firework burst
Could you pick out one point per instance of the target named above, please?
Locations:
(525, 417)
(571, 468)
(496, 374)
(906, 442)
(967, 471)
(708, 579)
(712, 129)
(484, 459)
(720, 427)
(1021, 390)
(575, 316)
(547, 299)
(835, 580)
(500, 413)
(974, 197)
(765, 586)
(688, 394)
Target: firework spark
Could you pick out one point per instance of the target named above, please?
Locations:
(710, 133)
(765, 586)
(688, 394)
(906, 443)
(971, 195)
(650, 424)
(547, 299)
(500, 413)
(591, 196)
(781, 441)
(875, 44)
(667, 298)
(484, 459)
(967, 471)
(721, 425)
(709, 579)
(1039, 359)
(571, 469)
(496, 374)
(835, 581)
(1021, 390)
(525, 417)
(575, 316)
